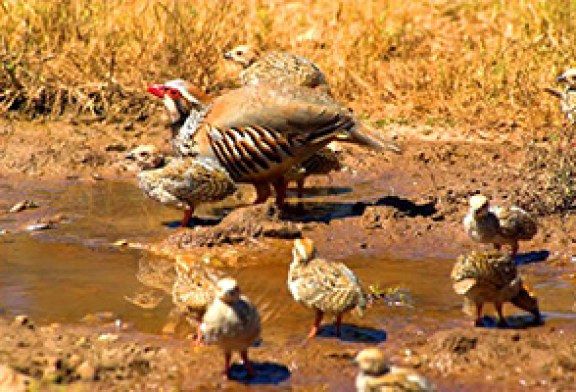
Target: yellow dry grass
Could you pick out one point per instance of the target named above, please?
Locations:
(433, 62)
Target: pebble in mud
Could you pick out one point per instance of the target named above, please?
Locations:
(39, 226)
(22, 205)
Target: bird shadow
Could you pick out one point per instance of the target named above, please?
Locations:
(520, 321)
(408, 207)
(266, 373)
(531, 257)
(353, 333)
(326, 212)
(195, 221)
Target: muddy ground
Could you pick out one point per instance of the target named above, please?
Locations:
(419, 216)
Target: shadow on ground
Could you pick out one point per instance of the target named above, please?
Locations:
(266, 373)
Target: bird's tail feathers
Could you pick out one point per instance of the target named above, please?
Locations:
(367, 136)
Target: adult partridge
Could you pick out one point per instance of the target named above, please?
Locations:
(232, 323)
(491, 277)
(181, 183)
(278, 67)
(258, 133)
(322, 285)
(376, 375)
(181, 98)
(498, 225)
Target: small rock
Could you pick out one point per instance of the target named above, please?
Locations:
(86, 371)
(23, 321)
(97, 177)
(120, 243)
(39, 226)
(108, 337)
(117, 147)
(22, 205)
(4, 231)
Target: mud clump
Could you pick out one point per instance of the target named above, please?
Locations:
(527, 358)
(241, 225)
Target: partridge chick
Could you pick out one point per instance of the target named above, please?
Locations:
(568, 94)
(322, 285)
(376, 375)
(491, 277)
(182, 98)
(231, 322)
(181, 183)
(194, 289)
(498, 225)
(278, 67)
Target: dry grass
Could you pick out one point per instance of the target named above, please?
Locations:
(427, 62)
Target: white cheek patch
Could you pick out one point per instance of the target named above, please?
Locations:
(172, 109)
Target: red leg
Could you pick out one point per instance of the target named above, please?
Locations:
(316, 325)
(187, 216)
(300, 187)
(247, 364)
(227, 358)
(478, 322)
(262, 192)
(198, 340)
(501, 320)
(280, 186)
(338, 324)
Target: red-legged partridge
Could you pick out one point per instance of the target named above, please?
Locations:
(232, 323)
(181, 183)
(376, 375)
(258, 133)
(322, 285)
(491, 277)
(278, 67)
(181, 97)
(498, 225)
(194, 289)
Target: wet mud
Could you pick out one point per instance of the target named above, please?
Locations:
(93, 255)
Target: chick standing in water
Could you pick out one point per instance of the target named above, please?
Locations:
(232, 323)
(322, 285)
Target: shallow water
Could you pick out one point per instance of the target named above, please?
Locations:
(62, 274)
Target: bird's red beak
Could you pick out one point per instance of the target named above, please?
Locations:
(156, 89)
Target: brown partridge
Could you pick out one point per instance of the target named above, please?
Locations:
(194, 288)
(498, 225)
(322, 285)
(231, 322)
(258, 133)
(181, 97)
(278, 67)
(376, 375)
(181, 183)
(491, 277)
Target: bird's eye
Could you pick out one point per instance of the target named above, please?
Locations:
(144, 154)
(238, 53)
(173, 93)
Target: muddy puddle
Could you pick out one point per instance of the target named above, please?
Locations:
(71, 270)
